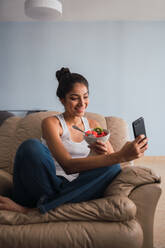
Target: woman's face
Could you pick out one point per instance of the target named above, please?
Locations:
(76, 101)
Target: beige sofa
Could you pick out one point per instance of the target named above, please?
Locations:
(123, 218)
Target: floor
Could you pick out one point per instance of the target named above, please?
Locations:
(157, 164)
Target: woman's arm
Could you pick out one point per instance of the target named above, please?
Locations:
(51, 132)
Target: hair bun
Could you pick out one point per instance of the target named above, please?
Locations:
(63, 72)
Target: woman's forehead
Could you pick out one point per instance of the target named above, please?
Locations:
(79, 88)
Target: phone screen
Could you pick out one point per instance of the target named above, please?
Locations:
(139, 127)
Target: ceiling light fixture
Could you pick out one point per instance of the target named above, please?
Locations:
(43, 9)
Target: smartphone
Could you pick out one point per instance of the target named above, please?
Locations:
(139, 127)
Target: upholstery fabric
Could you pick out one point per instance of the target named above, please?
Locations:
(5, 183)
(4, 115)
(117, 220)
(98, 117)
(27, 127)
(129, 179)
(119, 134)
(114, 209)
(66, 234)
(7, 134)
(115, 206)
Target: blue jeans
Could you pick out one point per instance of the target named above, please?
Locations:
(35, 183)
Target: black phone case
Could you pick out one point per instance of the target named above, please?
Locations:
(139, 127)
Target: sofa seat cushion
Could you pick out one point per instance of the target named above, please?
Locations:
(112, 209)
(73, 234)
(115, 206)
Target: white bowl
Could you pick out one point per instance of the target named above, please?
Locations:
(92, 139)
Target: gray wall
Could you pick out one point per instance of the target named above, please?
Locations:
(123, 62)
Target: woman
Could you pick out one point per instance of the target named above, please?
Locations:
(59, 170)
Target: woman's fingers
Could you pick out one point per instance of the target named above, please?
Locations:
(141, 139)
(140, 142)
(144, 148)
(134, 149)
(99, 147)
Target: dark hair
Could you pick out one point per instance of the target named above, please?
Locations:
(67, 80)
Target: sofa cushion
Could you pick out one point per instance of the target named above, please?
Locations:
(4, 115)
(27, 128)
(7, 133)
(98, 117)
(119, 133)
(5, 183)
(73, 234)
(111, 208)
(114, 206)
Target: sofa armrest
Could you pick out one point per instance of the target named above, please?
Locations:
(130, 178)
(5, 183)
(141, 185)
(146, 198)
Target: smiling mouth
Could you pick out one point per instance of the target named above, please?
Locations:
(80, 110)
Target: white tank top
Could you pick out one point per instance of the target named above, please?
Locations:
(75, 149)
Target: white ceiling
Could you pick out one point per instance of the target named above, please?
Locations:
(92, 10)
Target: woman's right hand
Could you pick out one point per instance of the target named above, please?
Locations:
(135, 149)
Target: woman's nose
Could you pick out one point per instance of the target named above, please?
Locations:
(81, 102)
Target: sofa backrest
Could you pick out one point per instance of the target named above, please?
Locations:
(17, 129)
(7, 132)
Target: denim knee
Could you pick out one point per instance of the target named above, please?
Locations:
(29, 147)
(31, 152)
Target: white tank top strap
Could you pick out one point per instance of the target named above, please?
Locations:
(86, 123)
(63, 124)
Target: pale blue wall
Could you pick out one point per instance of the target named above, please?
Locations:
(123, 62)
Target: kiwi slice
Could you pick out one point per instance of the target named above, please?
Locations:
(99, 130)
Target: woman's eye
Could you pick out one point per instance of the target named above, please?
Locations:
(74, 99)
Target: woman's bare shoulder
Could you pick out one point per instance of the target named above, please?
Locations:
(93, 123)
(50, 119)
(51, 122)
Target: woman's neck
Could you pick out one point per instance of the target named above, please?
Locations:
(72, 120)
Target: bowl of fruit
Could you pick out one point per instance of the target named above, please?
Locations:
(96, 134)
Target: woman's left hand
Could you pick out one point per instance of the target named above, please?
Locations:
(101, 147)
(8, 204)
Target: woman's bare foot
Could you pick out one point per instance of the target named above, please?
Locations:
(8, 204)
